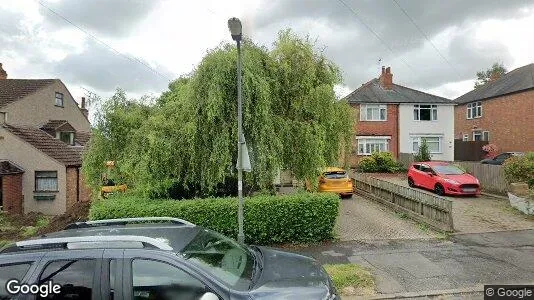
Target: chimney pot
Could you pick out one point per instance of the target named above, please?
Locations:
(3, 117)
(383, 69)
(83, 103)
(388, 70)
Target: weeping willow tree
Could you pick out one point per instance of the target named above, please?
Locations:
(187, 146)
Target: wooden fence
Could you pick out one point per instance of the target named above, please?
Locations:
(469, 150)
(491, 177)
(420, 206)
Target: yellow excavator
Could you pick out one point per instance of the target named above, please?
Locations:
(109, 186)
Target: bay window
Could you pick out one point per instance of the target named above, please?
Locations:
(368, 145)
(433, 143)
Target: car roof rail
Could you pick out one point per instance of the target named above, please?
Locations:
(126, 221)
(90, 242)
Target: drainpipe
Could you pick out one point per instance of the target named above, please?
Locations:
(77, 184)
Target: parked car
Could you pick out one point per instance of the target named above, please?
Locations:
(443, 178)
(159, 258)
(335, 180)
(499, 159)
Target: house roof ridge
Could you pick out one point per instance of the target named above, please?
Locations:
(421, 92)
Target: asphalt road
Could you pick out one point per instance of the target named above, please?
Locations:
(462, 262)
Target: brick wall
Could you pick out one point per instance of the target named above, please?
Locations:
(12, 193)
(76, 184)
(509, 120)
(386, 128)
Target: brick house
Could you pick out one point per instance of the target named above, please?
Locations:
(501, 112)
(43, 132)
(397, 119)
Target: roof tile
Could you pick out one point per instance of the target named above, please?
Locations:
(12, 90)
(372, 92)
(49, 145)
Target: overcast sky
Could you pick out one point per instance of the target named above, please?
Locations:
(172, 37)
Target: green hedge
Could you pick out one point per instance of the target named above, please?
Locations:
(296, 218)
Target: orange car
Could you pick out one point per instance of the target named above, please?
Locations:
(336, 180)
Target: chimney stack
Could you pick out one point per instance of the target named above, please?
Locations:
(84, 110)
(494, 76)
(386, 78)
(3, 118)
(3, 73)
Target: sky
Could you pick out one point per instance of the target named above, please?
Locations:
(138, 45)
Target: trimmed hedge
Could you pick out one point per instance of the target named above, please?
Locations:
(296, 218)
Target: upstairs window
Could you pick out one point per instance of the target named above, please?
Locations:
(474, 110)
(59, 99)
(66, 137)
(373, 112)
(425, 112)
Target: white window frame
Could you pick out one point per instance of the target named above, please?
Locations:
(433, 112)
(379, 107)
(482, 134)
(465, 137)
(59, 96)
(474, 110)
(417, 139)
(364, 140)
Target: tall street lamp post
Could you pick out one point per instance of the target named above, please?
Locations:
(234, 24)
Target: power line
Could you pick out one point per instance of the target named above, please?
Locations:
(426, 37)
(377, 36)
(133, 59)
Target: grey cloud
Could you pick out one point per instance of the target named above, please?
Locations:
(100, 68)
(356, 50)
(112, 18)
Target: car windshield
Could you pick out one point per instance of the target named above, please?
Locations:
(229, 261)
(448, 170)
(335, 175)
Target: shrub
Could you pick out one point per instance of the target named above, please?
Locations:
(296, 218)
(380, 162)
(423, 154)
(520, 169)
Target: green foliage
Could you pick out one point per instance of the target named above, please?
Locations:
(380, 162)
(350, 275)
(296, 218)
(496, 71)
(423, 154)
(520, 169)
(185, 145)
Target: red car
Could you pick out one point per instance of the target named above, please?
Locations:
(442, 178)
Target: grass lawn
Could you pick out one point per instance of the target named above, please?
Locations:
(351, 279)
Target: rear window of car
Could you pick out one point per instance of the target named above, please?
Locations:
(11, 271)
(335, 175)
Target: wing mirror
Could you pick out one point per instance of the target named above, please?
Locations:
(209, 296)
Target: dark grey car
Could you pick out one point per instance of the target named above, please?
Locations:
(159, 258)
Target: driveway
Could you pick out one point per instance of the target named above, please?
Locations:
(363, 219)
(466, 261)
(480, 214)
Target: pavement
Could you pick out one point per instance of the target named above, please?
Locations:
(456, 268)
